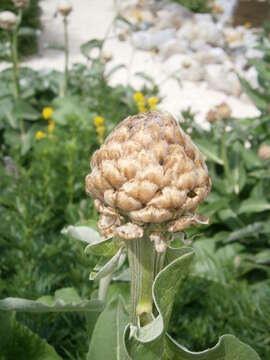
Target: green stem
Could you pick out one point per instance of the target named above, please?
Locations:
(66, 55)
(225, 158)
(103, 287)
(141, 254)
(14, 54)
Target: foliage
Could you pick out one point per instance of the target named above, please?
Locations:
(239, 203)
(30, 27)
(200, 6)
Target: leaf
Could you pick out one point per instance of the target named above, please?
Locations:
(82, 233)
(209, 150)
(228, 348)
(28, 31)
(148, 341)
(19, 342)
(107, 339)
(250, 230)
(151, 342)
(114, 69)
(23, 110)
(253, 206)
(64, 300)
(26, 142)
(113, 264)
(258, 98)
(107, 247)
(87, 47)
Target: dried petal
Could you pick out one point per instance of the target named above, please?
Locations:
(183, 222)
(130, 231)
(151, 214)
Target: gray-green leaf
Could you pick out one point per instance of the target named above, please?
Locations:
(107, 339)
(64, 300)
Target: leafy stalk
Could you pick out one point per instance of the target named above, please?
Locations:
(14, 55)
(142, 261)
(66, 54)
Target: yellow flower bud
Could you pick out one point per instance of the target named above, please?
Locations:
(152, 102)
(51, 126)
(40, 135)
(138, 97)
(47, 113)
(98, 121)
(100, 130)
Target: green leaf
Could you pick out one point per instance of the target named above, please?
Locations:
(23, 110)
(107, 339)
(151, 342)
(87, 47)
(64, 300)
(110, 266)
(82, 233)
(26, 139)
(114, 69)
(259, 99)
(228, 348)
(107, 247)
(28, 31)
(209, 150)
(253, 206)
(250, 230)
(148, 341)
(19, 342)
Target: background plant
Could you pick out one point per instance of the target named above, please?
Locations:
(29, 31)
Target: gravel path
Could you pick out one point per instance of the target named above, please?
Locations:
(90, 19)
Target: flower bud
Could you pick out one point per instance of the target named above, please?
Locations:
(8, 20)
(21, 4)
(264, 152)
(148, 172)
(64, 7)
(220, 112)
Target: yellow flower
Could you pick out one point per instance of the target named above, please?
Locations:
(248, 25)
(138, 97)
(47, 113)
(141, 107)
(100, 130)
(40, 135)
(152, 102)
(98, 121)
(51, 126)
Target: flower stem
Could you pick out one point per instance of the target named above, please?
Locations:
(66, 55)
(141, 254)
(225, 158)
(14, 54)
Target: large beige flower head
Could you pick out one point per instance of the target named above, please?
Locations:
(147, 174)
(8, 20)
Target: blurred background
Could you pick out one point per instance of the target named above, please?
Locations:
(69, 72)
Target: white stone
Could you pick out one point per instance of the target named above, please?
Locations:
(211, 56)
(148, 40)
(173, 47)
(222, 79)
(192, 71)
(251, 76)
